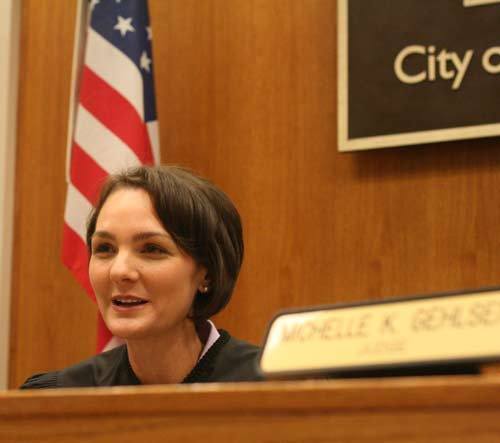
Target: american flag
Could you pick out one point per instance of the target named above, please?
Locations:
(115, 125)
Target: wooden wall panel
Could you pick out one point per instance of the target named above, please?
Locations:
(52, 321)
(246, 96)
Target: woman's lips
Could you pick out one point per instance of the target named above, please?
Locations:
(127, 302)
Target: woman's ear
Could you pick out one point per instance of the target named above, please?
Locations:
(205, 285)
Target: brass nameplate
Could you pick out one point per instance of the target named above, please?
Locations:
(417, 331)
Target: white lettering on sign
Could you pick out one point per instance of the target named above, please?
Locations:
(491, 64)
(450, 66)
(398, 65)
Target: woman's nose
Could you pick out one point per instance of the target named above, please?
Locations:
(123, 268)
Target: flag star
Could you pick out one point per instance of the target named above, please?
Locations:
(150, 33)
(145, 61)
(124, 25)
(93, 4)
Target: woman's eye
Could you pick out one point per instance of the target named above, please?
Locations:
(151, 248)
(102, 248)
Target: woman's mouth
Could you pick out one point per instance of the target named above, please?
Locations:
(127, 302)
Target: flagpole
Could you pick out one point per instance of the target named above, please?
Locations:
(82, 12)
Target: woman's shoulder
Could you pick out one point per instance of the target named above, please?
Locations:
(43, 380)
(228, 360)
(107, 369)
(237, 351)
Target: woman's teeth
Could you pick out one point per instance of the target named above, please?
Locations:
(128, 302)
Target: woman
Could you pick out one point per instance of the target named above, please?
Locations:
(165, 250)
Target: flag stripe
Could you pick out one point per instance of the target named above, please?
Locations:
(106, 61)
(77, 210)
(116, 113)
(154, 140)
(86, 175)
(74, 253)
(109, 152)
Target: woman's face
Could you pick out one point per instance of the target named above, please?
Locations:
(144, 284)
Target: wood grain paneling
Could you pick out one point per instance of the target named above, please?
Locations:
(246, 96)
(52, 321)
(442, 410)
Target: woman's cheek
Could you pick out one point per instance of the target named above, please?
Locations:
(97, 275)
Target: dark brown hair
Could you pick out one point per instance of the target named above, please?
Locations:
(200, 218)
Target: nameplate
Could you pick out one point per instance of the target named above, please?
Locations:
(419, 331)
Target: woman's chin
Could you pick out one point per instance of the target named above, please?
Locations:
(127, 329)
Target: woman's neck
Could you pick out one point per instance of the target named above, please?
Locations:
(165, 359)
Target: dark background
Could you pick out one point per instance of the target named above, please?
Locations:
(380, 104)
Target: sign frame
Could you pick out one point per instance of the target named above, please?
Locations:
(346, 144)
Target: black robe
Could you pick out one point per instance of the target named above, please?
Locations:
(227, 360)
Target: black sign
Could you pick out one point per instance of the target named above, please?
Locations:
(414, 71)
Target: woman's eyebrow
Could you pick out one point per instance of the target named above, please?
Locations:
(103, 234)
(148, 234)
(137, 237)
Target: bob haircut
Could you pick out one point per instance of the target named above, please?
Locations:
(201, 219)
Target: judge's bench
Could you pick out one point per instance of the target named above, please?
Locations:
(438, 409)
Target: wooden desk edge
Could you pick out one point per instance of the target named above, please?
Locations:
(379, 394)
